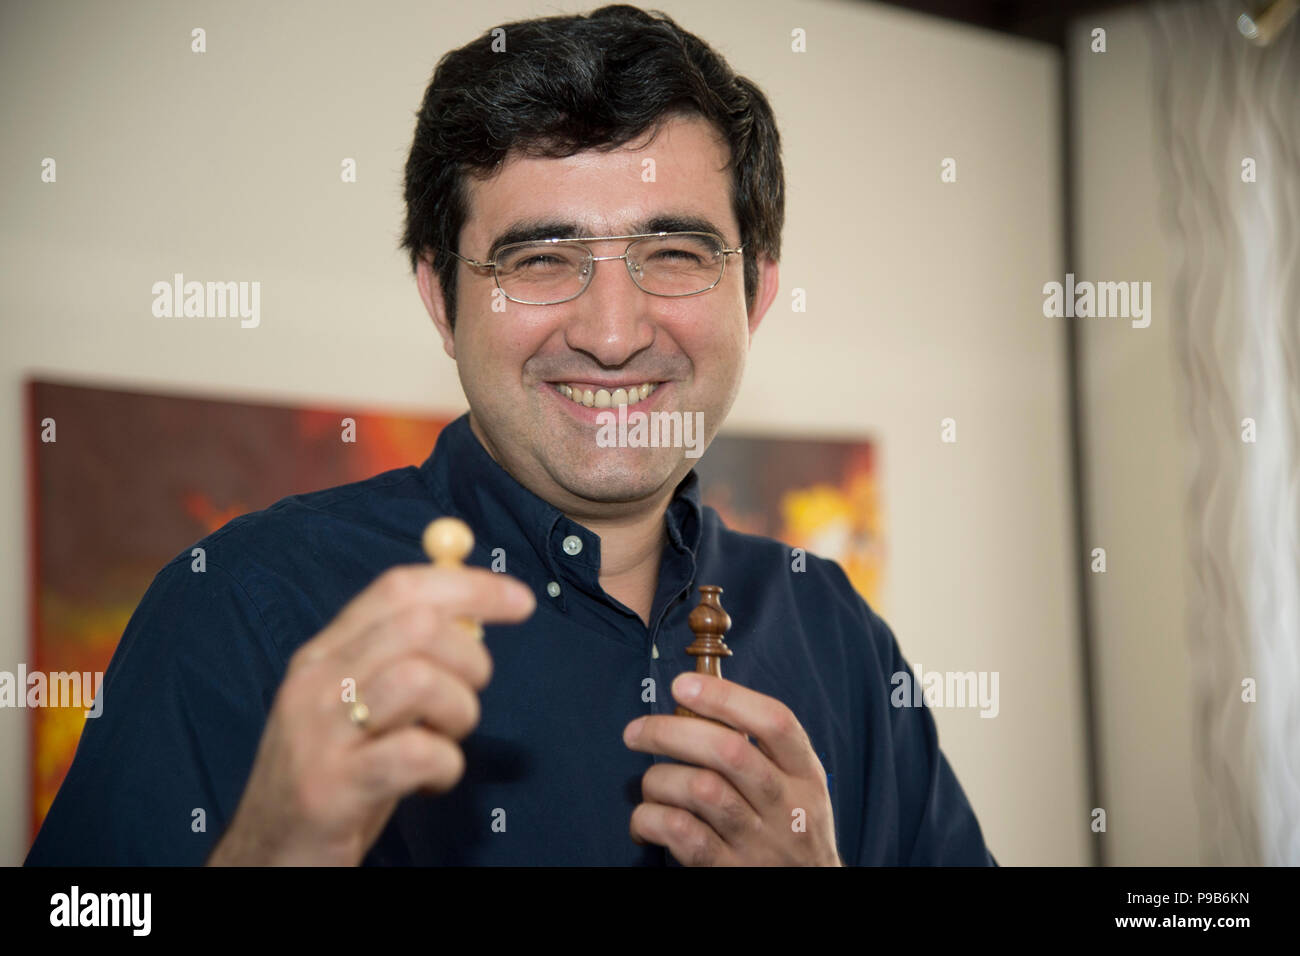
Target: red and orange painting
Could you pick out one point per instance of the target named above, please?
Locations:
(813, 494)
(122, 481)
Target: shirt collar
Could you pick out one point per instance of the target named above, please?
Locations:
(532, 534)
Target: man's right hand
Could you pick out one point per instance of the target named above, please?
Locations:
(322, 788)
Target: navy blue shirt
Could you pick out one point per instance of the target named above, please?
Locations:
(190, 685)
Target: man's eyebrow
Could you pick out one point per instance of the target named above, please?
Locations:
(527, 230)
(530, 229)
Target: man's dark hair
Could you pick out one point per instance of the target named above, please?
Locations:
(566, 84)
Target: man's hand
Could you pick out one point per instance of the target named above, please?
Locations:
(740, 804)
(322, 788)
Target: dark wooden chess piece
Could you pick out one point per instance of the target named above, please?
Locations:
(709, 622)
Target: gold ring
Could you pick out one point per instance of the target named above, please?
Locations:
(359, 714)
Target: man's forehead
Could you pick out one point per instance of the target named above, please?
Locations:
(686, 139)
(676, 180)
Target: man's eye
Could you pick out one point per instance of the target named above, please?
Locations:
(679, 255)
(539, 262)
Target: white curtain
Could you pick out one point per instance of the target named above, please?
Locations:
(1221, 101)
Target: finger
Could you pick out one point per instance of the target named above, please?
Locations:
(391, 766)
(414, 690)
(771, 723)
(706, 744)
(705, 793)
(470, 592)
(691, 841)
(419, 630)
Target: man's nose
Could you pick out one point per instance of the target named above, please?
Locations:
(611, 320)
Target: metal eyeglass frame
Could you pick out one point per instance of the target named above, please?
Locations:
(580, 241)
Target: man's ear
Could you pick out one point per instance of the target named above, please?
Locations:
(435, 302)
(768, 280)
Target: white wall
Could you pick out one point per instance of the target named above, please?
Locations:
(1138, 459)
(924, 298)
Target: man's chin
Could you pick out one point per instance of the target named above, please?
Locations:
(621, 476)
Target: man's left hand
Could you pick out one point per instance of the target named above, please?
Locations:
(739, 803)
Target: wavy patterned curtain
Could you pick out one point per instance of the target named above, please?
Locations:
(1221, 101)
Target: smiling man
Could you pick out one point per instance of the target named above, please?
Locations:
(595, 207)
(538, 377)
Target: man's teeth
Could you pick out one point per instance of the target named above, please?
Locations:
(604, 398)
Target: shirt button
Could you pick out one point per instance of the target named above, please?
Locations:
(553, 589)
(572, 545)
(654, 651)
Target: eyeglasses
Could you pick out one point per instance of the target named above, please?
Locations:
(550, 271)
